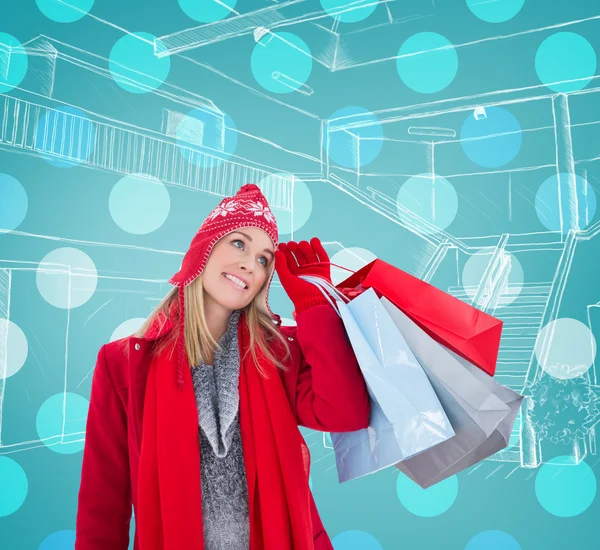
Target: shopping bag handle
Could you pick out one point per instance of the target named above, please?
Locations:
(330, 263)
(350, 293)
(328, 290)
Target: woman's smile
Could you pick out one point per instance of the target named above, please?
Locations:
(236, 281)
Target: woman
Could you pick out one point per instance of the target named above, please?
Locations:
(194, 420)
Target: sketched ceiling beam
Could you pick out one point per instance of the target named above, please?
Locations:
(284, 14)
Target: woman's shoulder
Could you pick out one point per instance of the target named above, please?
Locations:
(117, 350)
(115, 358)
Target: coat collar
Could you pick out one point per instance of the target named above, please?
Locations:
(161, 326)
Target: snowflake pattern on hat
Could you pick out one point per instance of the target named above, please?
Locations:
(234, 206)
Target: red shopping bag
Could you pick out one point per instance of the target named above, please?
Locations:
(464, 329)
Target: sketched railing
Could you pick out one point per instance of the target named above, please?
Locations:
(495, 277)
(435, 261)
(105, 146)
(530, 443)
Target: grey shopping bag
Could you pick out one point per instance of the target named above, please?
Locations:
(481, 411)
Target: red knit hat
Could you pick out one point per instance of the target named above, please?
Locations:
(247, 208)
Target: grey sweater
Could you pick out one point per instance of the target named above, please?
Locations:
(224, 488)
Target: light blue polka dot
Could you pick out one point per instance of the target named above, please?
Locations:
(65, 137)
(355, 540)
(302, 203)
(60, 540)
(431, 71)
(139, 205)
(65, 12)
(281, 62)
(207, 11)
(206, 138)
(360, 9)
(565, 57)
(353, 258)
(51, 421)
(432, 198)
(565, 490)
(13, 202)
(497, 11)
(13, 62)
(548, 204)
(493, 540)
(356, 146)
(14, 486)
(134, 65)
(429, 502)
(492, 141)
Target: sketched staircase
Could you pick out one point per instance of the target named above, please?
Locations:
(522, 318)
(522, 309)
(522, 323)
(129, 150)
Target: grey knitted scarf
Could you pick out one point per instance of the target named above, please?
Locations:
(224, 488)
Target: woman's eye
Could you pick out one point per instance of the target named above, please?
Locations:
(238, 241)
(264, 260)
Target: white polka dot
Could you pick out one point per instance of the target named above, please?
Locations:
(127, 328)
(565, 348)
(431, 197)
(64, 289)
(16, 348)
(353, 258)
(475, 268)
(302, 202)
(139, 204)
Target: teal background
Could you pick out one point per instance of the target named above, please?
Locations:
(541, 493)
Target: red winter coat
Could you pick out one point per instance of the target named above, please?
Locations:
(323, 383)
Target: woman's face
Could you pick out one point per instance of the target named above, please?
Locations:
(238, 267)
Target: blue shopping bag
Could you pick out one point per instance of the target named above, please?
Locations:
(407, 417)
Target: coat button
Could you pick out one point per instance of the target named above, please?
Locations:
(290, 339)
(137, 347)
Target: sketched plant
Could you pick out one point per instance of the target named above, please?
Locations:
(563, 410)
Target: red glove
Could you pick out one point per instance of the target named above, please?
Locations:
(291, 260)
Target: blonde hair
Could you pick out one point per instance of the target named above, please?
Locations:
(199, 342)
